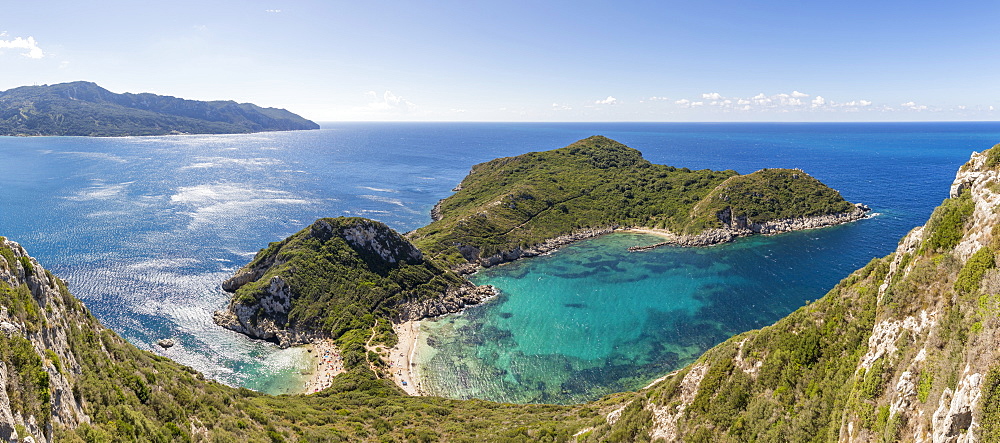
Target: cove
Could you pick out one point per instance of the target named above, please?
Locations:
(593, 319)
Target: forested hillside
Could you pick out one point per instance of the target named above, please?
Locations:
(85, 109)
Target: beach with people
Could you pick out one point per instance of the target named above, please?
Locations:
(402, 362)
(328, 362)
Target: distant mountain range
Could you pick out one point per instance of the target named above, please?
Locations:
(86, 109)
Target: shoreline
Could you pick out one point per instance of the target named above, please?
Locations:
(729, 233)
(326, 363)
(709, 237)
(403, 369)
(401, 359)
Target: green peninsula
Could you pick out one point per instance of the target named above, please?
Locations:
(510, 207)
(86, 109)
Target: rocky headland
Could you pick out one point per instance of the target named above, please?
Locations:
(329, 271)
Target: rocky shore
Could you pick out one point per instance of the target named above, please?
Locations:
(455, 300)
(472, 254)
(744, 228)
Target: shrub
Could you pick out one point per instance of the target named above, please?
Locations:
(975, 267)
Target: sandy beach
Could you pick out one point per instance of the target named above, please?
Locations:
(401, 358)
(328, 363)
(653, 231)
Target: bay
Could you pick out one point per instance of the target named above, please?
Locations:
(144, 229)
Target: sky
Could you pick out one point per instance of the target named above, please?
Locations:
(512, 60)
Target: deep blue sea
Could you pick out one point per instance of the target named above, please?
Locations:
(145, 229)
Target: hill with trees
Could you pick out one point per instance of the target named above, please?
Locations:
(506, 207)
(85, 109)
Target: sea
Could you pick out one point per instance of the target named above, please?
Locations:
(144, 230)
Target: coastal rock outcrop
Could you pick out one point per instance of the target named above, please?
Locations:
(455, 300)
(310, 285)
(267, 318)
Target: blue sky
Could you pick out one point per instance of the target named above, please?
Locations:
(527, 61)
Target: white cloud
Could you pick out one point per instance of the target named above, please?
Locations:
(683, 101)
(712, 96)
(697, 104)
(273, 11)
(913, 106)
(29, 44)
(743, 102)
(655, 99)
(857, 103)
(558, 107)
(818, 101)
(608, 101)
(798, 94)
(388, 102)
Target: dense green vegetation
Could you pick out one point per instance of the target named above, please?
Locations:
(768, 194)
(83, 108)
(339, 286)
(518, 202)
(948, 221)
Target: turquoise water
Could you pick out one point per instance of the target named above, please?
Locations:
(593, 318)
(145, 229)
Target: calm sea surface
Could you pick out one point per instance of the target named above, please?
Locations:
(145, 229)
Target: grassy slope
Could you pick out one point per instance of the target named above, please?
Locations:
(521, 201)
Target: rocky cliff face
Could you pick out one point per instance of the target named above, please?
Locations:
(46, 332)
(267, 318)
